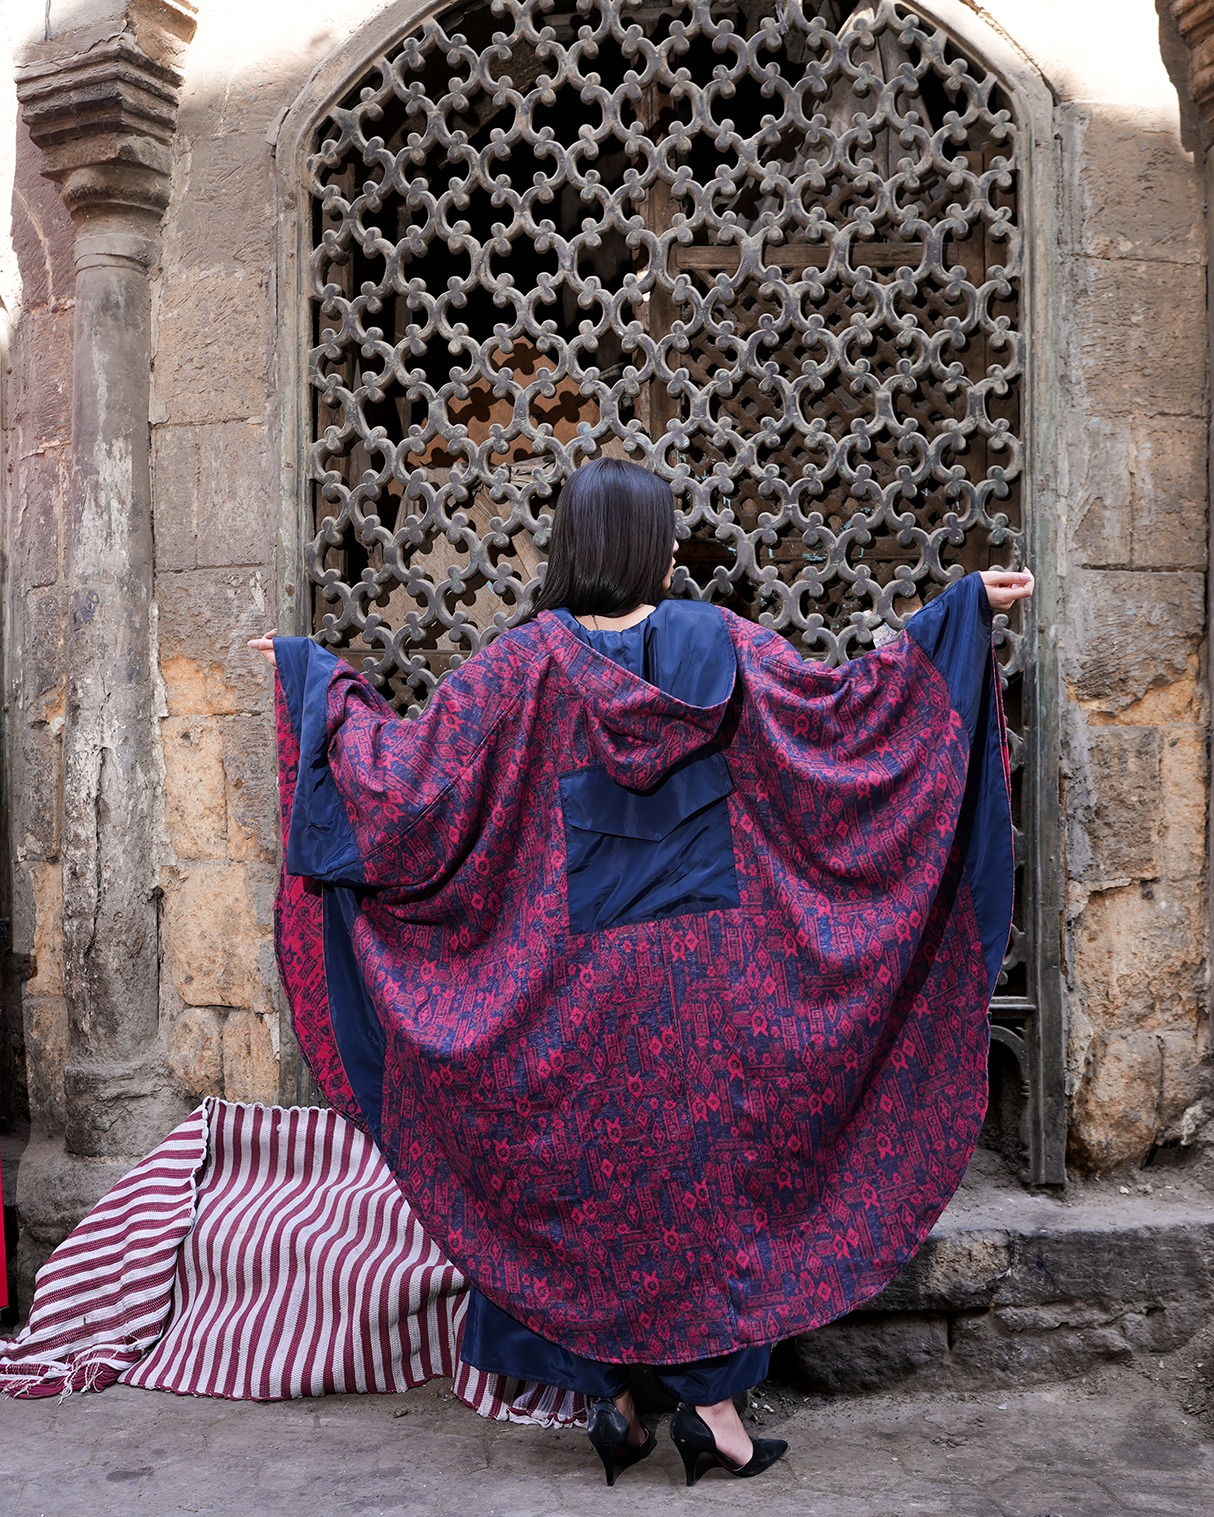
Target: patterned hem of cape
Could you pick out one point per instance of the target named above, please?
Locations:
(651, 1125)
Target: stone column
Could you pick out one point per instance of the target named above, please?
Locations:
(100, 102)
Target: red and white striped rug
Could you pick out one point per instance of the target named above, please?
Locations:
(259, 1253)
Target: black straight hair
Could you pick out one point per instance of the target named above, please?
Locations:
(612, 538)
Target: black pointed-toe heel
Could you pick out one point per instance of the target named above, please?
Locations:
(694, 1438)
(607, 1429)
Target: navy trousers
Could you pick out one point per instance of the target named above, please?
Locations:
(493, 1341)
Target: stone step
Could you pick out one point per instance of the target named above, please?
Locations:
(1013, 1288)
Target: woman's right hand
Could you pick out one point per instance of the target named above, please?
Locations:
(265, 645)
(1004, 587)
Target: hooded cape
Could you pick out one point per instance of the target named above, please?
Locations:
(668, 1011)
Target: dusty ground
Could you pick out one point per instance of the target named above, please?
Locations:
(1120, 1445)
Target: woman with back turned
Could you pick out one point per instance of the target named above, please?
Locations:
(656, 960)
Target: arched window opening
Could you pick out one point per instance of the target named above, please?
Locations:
(770, 248)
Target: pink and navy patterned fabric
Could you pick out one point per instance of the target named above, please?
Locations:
(668, 1138)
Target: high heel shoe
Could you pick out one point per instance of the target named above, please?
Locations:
(607, 1429)
(693, 1437)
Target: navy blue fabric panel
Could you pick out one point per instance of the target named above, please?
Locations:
(989, 858)
(683, 647)
(634, 857)
(593, 801)
(954, 630)
(493, 1341)
(321, 843)
(612, 880)
(356, 1028)
(707, 1381)
(292, 660)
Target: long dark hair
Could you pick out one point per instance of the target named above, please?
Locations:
(612, 538)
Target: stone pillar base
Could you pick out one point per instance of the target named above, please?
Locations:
(54, 1190)
(121, 1108)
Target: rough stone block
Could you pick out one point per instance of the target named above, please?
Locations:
(214, 491)
(1110, 1267)
(34, 532)
(44, 239)
(1139, 957)
(213, 346)
(194, 801)
(1142, 190)
(40, 387)
(195, 1048)
(983, 1352)
(1130, 633)
(1055, 1314)
(951, 1272)
(175, 497)
(1185, 1079)
(1080, 1285)
(250, 1067)
(251, 779)
(1116, 1107)
(1139, 336)
(1102, 476)
(1161, 1329)
(1125, 820)
(206, 618)
(1169, 489)
(213, 935)
(45, 1019)
(1138, 493)
(1183, 776)
(237, 496)
(869, 1352)
(46, 889)
(227, 217)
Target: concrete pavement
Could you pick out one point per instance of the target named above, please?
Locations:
(1111, 1446)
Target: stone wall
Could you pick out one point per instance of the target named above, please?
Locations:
(1133, 554)
(1129, 536)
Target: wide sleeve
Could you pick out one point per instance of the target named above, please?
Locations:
(385, 802)
(299, 915)
(886, 778)
(377, 814)
(320, 841)
(954, 631)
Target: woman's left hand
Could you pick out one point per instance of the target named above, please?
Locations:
(1004, 587)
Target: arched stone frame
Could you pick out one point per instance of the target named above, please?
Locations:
(1034, 1033)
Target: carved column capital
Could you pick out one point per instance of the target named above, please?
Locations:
(1195, 22)
(100, 102)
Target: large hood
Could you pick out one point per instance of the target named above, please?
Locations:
(640, 728)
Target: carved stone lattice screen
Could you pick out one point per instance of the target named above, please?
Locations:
(769, 249)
